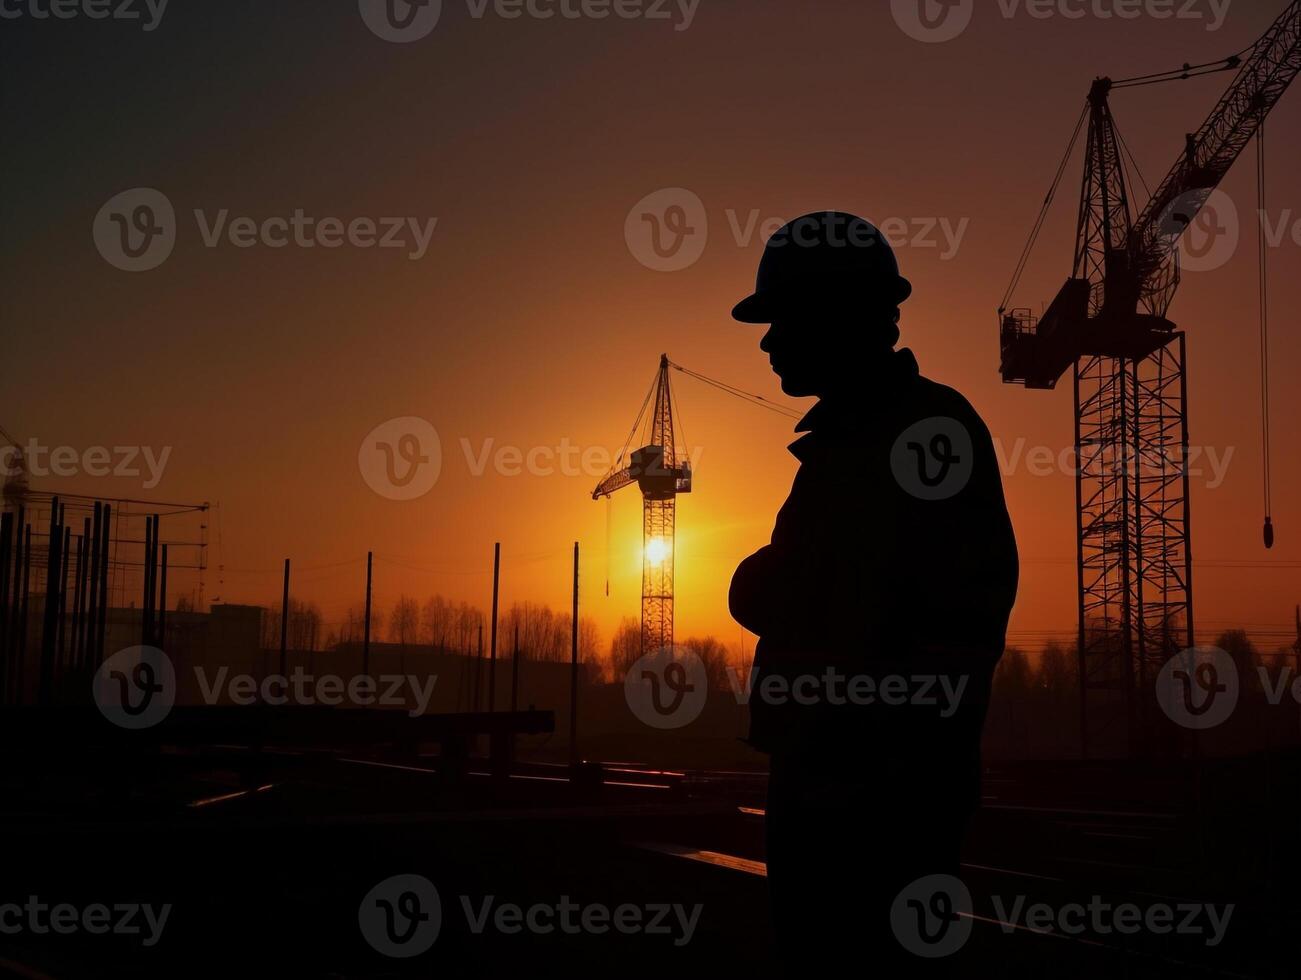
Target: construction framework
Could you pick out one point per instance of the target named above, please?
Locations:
(1133, 532)
(661, 476)
(1108, 325)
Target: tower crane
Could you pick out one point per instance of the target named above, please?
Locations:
(661, 476)
(1108, 327)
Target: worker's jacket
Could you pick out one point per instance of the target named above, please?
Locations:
(882, 603)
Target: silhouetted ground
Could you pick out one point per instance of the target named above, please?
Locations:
(268, 881)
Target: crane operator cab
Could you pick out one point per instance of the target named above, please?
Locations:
(655, 479)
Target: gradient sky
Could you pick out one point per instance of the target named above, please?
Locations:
(531, 321)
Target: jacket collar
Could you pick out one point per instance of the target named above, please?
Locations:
(836, 414)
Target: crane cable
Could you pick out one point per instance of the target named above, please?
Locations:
(1043, 214)
(1263, 271)
(753, 399)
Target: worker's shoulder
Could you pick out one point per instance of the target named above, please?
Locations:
(933, 398)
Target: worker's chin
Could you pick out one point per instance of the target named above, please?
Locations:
(796, 387)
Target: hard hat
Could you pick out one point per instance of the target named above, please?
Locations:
(827, 260)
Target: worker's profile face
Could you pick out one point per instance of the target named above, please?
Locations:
(792, 354)
(813, 355)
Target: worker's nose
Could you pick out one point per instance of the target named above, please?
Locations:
(765, 344)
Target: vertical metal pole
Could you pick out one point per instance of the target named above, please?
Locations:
(102, 626)
(6, 552)
(365, 629)
(1188, 501)
(50, 611)
(49, 615)
(147, 585)
(64, 566)
(91, 618)
(22, 624)
(573, 671)
(492, 650)
(162, 603)
(1079, 571)
(78, 597)
(16, 645)
(284, 621)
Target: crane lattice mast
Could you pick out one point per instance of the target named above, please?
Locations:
(1108, 326)
(656, 470)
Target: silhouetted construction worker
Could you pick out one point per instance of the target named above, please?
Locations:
(881, 604)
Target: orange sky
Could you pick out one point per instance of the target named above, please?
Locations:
(530, 322)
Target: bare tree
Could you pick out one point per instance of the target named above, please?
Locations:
(625, 648)
(1057, 674)
(304, 625)
(404, 622)
(713, 655)
(436, 620)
